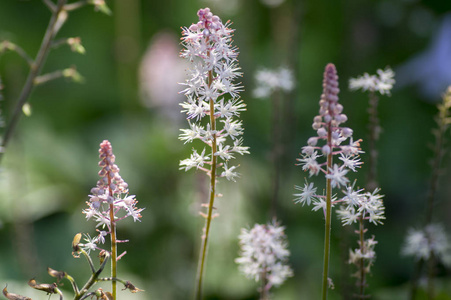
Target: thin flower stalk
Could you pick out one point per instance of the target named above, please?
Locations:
(413, 240)
(333, 138)
(443, 121)
(109, 203)
(430, 245)
(212, 99)
(358, 206)
(381, 83)
(274, 84)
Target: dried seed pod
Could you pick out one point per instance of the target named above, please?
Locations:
(50, 288)
(12, 296)
(131, 287)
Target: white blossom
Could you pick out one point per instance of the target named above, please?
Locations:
(269, 81)
(382, 82)
(308, 193)
(263, 252)
(212, 92)
(111, 190)
(337, 176)
(432, 239)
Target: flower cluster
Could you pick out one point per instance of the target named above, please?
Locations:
(112, 190)
(336, 141)
(360, 205)
(364, 254)
(268, 81)
(382, 82)
(264, 254)
(213, 69)
(430, 240)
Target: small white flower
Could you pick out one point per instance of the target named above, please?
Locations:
(102, 221)
(352, 197)
(90, 243)
(224, 152)
(350, 161)
(348, 215)
(269, 81)
(319, 204)
(432, 239)
(229, 173)
(89, 213)
(308, 193)
(337, 176)
(308, 162)
(365, 82)
(238, 148)
(382, 82)
(196, 160)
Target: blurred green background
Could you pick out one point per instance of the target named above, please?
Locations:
(129, 96)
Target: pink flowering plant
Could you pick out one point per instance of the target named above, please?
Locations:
(213, 108)
(335, 141)
(108, 204)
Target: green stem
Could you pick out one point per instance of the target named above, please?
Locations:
(203, 255)
(113, 242)
(362, 278)
(35, 70)
(328, 216)
(431, 275)
(92, 280)
(264, 292)
(374, 129)
(276, 151)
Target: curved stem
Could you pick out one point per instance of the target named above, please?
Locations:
(35, 70)
(92, 280)
(203, 255)
(328, 217)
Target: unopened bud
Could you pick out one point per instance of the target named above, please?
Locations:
(75, 245)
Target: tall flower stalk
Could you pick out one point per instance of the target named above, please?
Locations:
(383, 83)
(364, 256)
(212, 98)
(430, 244)
(332, 136)
(275, 84)
(109, 203)
(358, 207)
